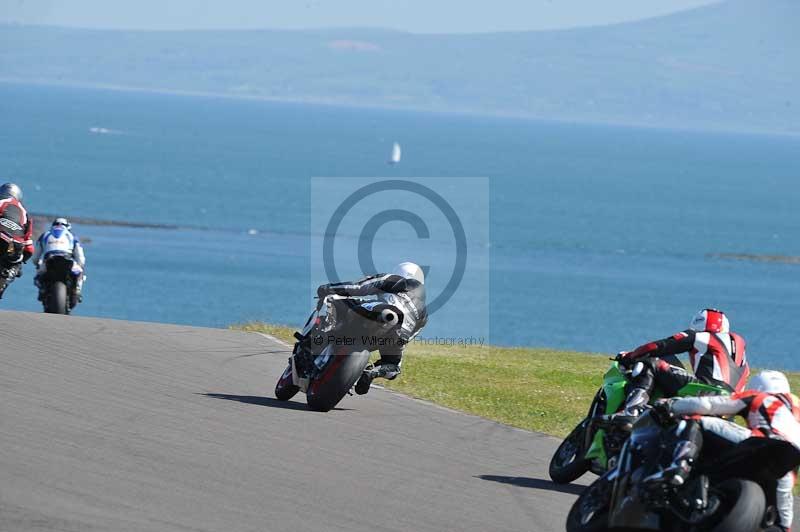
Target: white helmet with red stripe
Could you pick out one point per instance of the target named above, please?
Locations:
(770, 382)
(710, 320)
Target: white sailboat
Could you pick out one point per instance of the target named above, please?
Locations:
(396, 154)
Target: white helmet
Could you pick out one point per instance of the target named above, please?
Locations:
(409, 270)
(710, 320)
(769, 382)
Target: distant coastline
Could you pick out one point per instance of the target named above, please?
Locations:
(784, 259)
(43, 219)
(341, 103)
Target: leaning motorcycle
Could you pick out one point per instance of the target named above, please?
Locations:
(59, 283)
(11, 248)
(593, 445)
(332, 350)
(731, 488)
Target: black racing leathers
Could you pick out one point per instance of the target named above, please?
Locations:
(407, 295)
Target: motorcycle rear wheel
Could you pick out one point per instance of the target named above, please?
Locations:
(56, 301)
(743, 506)
(332, 385)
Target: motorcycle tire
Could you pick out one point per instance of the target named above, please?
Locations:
(285, 389)
(56, 299)
(330, 387)
(589, 513)
(743, 506)
(567, 463)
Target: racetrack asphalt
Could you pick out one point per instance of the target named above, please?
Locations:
(121, 426)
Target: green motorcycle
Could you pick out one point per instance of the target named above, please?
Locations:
(595, 443)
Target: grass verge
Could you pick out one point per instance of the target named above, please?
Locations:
(544, 390)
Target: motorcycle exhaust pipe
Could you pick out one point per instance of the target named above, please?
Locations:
(388, 317)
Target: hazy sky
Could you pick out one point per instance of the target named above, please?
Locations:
(412, 15)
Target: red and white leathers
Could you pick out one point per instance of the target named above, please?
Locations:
(716, 357)
(768, 415)
(17, 225)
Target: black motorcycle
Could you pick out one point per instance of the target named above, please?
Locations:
(333, 349)
(10, 256)
(731, 488)
(58, 284)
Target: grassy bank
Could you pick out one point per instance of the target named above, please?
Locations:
(544, 390)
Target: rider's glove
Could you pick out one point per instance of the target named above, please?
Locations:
(624, 358)
(322, 291)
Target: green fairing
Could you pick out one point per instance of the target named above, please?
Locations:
(614, 383)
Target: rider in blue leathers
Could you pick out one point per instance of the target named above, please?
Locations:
(59, 240)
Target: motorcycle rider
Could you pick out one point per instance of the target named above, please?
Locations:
(717, 357)
(404, 288)
(771, 411)
(16, 224)
(59, 240)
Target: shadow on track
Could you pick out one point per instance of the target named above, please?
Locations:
(537, 483)
(263, 401)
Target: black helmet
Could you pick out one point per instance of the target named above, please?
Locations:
(10, 190)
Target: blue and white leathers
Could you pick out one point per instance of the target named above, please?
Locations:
(62, 242)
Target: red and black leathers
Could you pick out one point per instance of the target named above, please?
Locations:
(16, 225)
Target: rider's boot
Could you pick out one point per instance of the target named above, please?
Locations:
(634, 406)
(9, 274)
(79, 288)
(678, 471)
(383, 370)
(636, 402)
(639, 396)
(38, 283)
(364, 382)
(684, 455)
(76, 296)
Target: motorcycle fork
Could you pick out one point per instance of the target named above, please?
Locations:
(301, 382)
(609, 399)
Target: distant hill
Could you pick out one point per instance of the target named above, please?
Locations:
(728, 66)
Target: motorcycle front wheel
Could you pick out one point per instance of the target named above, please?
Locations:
(285, 389)
(567, 463)
(589, 513)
